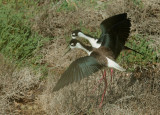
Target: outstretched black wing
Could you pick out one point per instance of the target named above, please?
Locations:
(116, 36)
(109, 23)
(79, 69)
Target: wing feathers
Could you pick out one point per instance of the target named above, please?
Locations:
(79, 69)
(117, 36)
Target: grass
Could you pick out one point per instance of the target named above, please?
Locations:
(59, 102)
(64, 6)
(141, 44)
(138, 3)
(22, 45)
(73, 5)
(18, 42)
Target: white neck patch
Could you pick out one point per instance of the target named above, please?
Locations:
(92, 41)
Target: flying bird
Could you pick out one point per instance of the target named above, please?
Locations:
(102, 54)
(106, 27)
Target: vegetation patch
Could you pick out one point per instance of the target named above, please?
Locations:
(27, 28)
(18, 43)
(148, 55)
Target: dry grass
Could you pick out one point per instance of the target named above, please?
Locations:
(145, 18)
(129, 93)
(17, 89)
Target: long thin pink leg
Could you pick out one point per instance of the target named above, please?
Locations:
(111, 74)
(95, 87)
(105, 80)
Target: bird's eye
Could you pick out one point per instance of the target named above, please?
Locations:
(72, 44)
(73, 34)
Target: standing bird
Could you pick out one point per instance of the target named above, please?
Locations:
(86, 66)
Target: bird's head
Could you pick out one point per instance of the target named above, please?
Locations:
(74, 44)
(74, 34)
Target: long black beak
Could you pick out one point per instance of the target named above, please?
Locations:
(67, 50)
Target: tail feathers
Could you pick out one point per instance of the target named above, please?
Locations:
(127, 48)
(113, 64)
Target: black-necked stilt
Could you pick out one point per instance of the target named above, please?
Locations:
(86, 66)
(106, 50)
(116, 27)
(111, 25)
